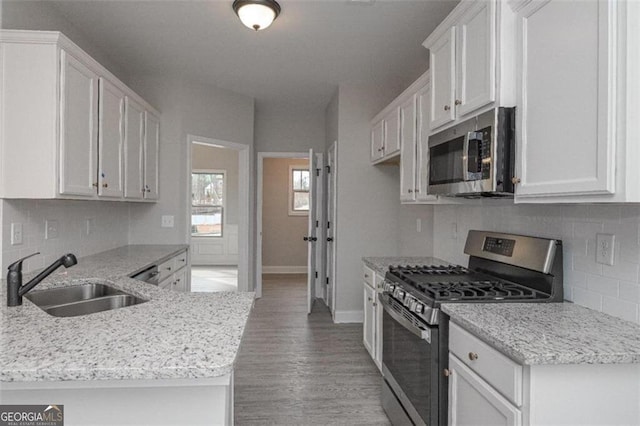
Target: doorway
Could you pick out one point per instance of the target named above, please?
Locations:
(286, 183)
(218, 214)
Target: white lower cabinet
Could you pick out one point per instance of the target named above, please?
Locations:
(472, 401)
(173, 274)
(488, 388)
(372, 316)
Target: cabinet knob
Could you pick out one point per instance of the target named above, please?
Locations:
(410, 191)
(446, 372)
(447, 107)
(366, 275)
(95, 184)
(458, 102)
(473, 356)
(515, 180)
(369, 299)
(105, 185)
(416, 190)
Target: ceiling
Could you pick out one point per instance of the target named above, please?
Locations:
(311, 48)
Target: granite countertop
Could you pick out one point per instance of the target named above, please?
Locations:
(381, 264)
(550, 333)
(174, 335)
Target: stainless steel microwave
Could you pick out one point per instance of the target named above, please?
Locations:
(474, 158)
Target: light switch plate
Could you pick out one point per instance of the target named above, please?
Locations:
(418, 225)
(51, 229)
(167, 221)
(16, 234)
(605, 248)
(89, 226)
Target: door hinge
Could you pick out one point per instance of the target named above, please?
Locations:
(328, 169)
(317, 172)
(316, 274)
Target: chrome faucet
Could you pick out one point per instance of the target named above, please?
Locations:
(15, 289)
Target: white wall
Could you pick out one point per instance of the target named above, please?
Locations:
(108, 222)
(187, 108)
(288, 128)
(611, 289)
(410, 241)
(367, 196)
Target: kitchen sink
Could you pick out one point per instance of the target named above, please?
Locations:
(82, 299)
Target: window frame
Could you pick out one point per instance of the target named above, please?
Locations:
(223, 219)
(291, 191)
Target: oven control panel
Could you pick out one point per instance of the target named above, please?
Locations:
(500, 246)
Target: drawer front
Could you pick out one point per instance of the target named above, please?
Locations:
(379, 282)
(166, 269)
(180, 261)
(504, 374)
(368, 276)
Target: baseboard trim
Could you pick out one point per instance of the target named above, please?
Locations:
(284, 269)
(348, 316)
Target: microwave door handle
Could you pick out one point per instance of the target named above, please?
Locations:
(465, 156)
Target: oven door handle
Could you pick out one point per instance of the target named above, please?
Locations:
(418, 331)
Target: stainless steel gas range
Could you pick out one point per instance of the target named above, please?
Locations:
(502, 268)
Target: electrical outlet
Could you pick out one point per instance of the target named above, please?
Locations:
(51, 229)
(604, 248)
(167, 221)
(418, 225)
(16, 234)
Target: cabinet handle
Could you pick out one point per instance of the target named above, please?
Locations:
(515, 180)
(447, 107)
(105, 185)
(95, 184)
(416, 190)
(410, 191)
(458, 102)
(446, 372)
(473, 356)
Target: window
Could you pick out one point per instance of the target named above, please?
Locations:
(298, 191)
(207, 203)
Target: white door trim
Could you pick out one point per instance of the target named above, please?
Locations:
(334, 225)
(261, 157)
(244, 202)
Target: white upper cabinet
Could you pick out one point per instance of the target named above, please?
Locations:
(62, 116)
(443, 91)
(377, 141)
(133, 150)
(385, 136)
(469, 52)
(423, 109)
(78, 127)
(408, 186)
(577, 101)
(110, 142)
(151, 149)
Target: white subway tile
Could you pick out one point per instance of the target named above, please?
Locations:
(587, 298)
(621, 270)
(587, 264)
(629, 291)
(602, 285)
(620, 308)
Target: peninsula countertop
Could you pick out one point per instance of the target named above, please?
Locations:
(174, 335)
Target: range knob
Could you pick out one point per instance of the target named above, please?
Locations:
(399, 294)
(418, 308)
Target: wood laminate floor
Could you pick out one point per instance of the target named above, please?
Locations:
(299, 369)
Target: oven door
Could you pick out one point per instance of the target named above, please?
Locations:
(410, 363)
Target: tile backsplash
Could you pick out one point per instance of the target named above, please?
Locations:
(611, 289)
(108, 228)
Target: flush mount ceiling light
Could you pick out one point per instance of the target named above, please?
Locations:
(256, 14)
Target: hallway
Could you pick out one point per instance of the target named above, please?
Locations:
(295, 369)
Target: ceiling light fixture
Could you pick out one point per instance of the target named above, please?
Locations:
(256, 14)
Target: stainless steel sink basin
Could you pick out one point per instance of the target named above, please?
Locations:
(82, 299)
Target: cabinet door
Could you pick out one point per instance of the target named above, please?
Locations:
(378, 319)
(151, 149)
(110, 140)
(472, 401)
(133, 138)
(180, 280)
(369, 320)
(443, 70)
(377, 140)
(78, 128)
(476, 58)
(408, 150)
(423, 106)
(566, 104)
(392, 132)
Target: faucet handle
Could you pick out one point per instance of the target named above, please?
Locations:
(17, 265)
